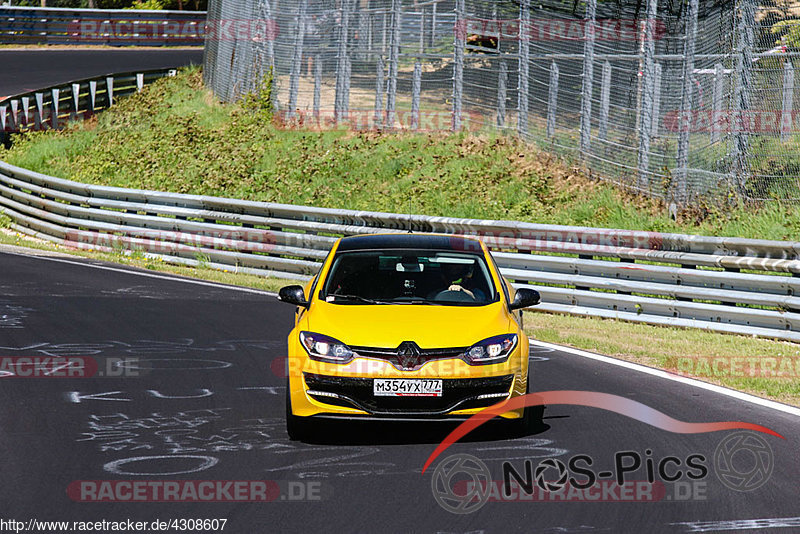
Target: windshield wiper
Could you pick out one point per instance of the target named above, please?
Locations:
(359, 299)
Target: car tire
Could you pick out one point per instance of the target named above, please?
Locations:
(520, 427)
(296, 426)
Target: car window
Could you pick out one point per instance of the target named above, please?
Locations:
(409, 277)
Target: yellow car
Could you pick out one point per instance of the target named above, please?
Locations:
(405, 326)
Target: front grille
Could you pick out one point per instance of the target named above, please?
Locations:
(409, 363)
(457, 394)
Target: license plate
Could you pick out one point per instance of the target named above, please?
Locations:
(406, 387)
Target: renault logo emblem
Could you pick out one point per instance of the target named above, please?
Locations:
(408, 355)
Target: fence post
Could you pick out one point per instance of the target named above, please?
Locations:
(679, 185)
(655, 123)
(297, 58)
(552, 100)
(459, 43)
(55, 94)
(416, 85)
(605, 100)
(502, 94)
(716, 106)
(265, 12)
(646, 112)
(394, 53)
(433, 24)
(588, 76)
(379, 93)
(788, 100)
(741, 98)
(341, 62)
(317, 84)
(524, 68)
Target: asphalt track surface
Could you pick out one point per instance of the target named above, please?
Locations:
(30, 69)
(208, 404)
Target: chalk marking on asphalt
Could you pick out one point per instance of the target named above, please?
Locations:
(741, 524)
(746, 397)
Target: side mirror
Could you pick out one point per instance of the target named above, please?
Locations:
(524, 298)
(293, 295)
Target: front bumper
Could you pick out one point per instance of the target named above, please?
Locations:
(458, 394)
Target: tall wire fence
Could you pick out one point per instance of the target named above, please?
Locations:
(678, 99)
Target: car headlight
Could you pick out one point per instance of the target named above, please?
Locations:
(491, 350)
(325, 348)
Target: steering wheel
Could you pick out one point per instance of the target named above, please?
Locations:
(453, 296)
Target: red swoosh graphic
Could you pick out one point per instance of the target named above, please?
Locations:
(604, 401)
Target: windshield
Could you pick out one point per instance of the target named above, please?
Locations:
(409, 277)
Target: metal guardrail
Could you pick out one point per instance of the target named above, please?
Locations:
(742, 286)
(54, 107)
(124, 27)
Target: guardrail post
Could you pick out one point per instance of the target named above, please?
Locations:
(317, 84)
(788, 100)
(646, 101)
(502, 94)
(459, 43)
(92, 96)
(55, 94)
(605, 101)
(38, 117)
(524, 68)
(716, 106)
(15, 113)
(588, 76)
(655, 123)
(297, 58)
(394, 53)
(341, 61)
(76, 99)
(26, 104)
(139, 82)
(679, 185)
(110, 90)
(552, 100)
(741, 97)
(379, 69)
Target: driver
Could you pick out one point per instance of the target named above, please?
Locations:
(458, 277)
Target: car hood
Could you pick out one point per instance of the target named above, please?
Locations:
(389, 325)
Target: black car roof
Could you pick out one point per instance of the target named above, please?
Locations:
(410, 241)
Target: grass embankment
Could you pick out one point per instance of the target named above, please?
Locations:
(175, 137)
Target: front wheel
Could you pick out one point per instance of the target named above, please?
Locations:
(296, 426)
(520, 427)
